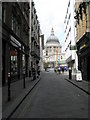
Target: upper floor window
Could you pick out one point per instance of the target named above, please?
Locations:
(15, 26)
(3, 12)
(0, 10)
(61, 57)
(69, 16)
(69, 4)
(46, 53)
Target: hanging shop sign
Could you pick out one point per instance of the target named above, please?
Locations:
(14, 42)
(73, 47)
(83, 46)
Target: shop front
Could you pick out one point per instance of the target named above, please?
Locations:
(14, 58)
(14, 64)
(84, 56)
(18, 60)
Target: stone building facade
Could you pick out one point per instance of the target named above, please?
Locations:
(35, 39)
(82, 18)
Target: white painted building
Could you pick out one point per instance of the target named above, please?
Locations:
(41, 51)
(69, 33)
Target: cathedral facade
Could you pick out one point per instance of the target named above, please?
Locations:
(53, 56)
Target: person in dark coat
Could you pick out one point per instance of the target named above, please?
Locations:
(62, 69)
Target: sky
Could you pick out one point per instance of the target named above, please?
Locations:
(51, 13)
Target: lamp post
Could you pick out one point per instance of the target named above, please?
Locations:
(9, 91)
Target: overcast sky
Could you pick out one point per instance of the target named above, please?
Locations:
(51, 13)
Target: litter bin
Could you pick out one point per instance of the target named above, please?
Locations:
(70, 73)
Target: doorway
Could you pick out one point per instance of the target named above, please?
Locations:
(88, 68)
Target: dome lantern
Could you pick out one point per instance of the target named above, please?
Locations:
(52, 37)
(52, 32)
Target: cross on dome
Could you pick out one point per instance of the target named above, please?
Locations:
(52, 32)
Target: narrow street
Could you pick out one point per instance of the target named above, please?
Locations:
(39, 40)
(54, 97)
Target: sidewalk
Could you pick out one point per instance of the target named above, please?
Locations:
(83, 85)
(18, 94)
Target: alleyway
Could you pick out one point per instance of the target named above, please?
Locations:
(54, 97)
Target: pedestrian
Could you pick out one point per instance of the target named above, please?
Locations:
(54, 69)
(62, 69)
(59, 70)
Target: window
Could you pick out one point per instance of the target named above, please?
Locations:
(12, 22)
(0, 10)
(54, 49)
(69, 29)
(15, 26)
(3, 12)
(69, 16)
(46, 53)
(67, 22)
(14, 65)
(61, 57)
(23, 63)
(69, 4)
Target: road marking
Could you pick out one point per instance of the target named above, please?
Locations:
(28, 103)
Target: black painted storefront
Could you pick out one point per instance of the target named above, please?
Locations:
(14, 56)
(83, 51)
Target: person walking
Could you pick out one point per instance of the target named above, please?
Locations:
(59, 70)
(63, 69)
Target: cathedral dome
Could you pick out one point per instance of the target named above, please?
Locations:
(52, 38)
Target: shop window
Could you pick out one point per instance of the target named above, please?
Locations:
(14, 68)
(23, 63)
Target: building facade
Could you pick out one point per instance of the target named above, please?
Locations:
(69, 33)
(15, 40)
(53, 55)
(35, 38)
(82, 18)
(41, 51)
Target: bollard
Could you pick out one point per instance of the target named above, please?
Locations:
(23, 80)
(70, 74)
(9, 92)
